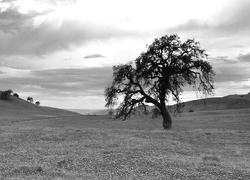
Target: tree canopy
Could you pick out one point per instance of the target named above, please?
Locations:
(16, 95)
(158, 76)
(5, 95)
(30, 99)
(37, 103)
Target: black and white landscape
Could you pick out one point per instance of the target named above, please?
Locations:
(124, 89)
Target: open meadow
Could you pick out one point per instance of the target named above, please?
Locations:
(201, 145)
(69, 69)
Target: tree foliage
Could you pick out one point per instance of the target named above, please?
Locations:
(5, 95)
(16, 95)
(158, 76)
(37, 103)
(30, 99)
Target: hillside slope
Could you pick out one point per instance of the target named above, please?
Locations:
(18, 109)
(208, 104)
(223, 103)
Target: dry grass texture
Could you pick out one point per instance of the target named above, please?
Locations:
(96, 153)
(62, 145)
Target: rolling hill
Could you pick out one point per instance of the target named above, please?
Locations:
(207, 104)
(90, 111)
(219, 103)
(16, 109)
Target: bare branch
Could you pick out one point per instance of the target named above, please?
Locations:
(158, 74)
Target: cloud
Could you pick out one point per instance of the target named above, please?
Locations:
(7, 1)
(59, 2)
(12, 21)
(238, 46)
(221, 60)
(192, 25)
(67, 59)
(230, 70)
(233, 19)
(227, 72)
(232, 77)
(10, 72)
(244, 57)
(93, 56)
(20, 35)
(79, 81)
(56, 82)
(65, 88)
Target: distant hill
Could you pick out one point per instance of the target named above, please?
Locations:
(90, 111)
(207, 104)
(219, 103)
(17, 109)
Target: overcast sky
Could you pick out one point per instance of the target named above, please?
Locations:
(61, 52)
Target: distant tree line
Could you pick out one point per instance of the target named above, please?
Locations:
(5, 95)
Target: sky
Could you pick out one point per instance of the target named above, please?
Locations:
(61, 52)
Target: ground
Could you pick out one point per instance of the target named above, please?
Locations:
(202, 145)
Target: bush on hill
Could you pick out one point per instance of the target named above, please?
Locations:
(38, 103)
(16, 95)
(5, 95)
(30, 99)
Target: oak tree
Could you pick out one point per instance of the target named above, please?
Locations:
(158, 76)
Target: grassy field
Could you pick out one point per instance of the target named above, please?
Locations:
(202, 145)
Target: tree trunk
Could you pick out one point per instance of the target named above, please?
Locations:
(167, 120)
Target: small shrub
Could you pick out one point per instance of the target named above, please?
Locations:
(65, 164)
(111, 113)
(16, 95)
(38, 103)
(5, 95)
(26, 170)
(9, 91)
(30, 99)
(211, 160)
(156, 112)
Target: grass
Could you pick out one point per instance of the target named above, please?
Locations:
(202, 145)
